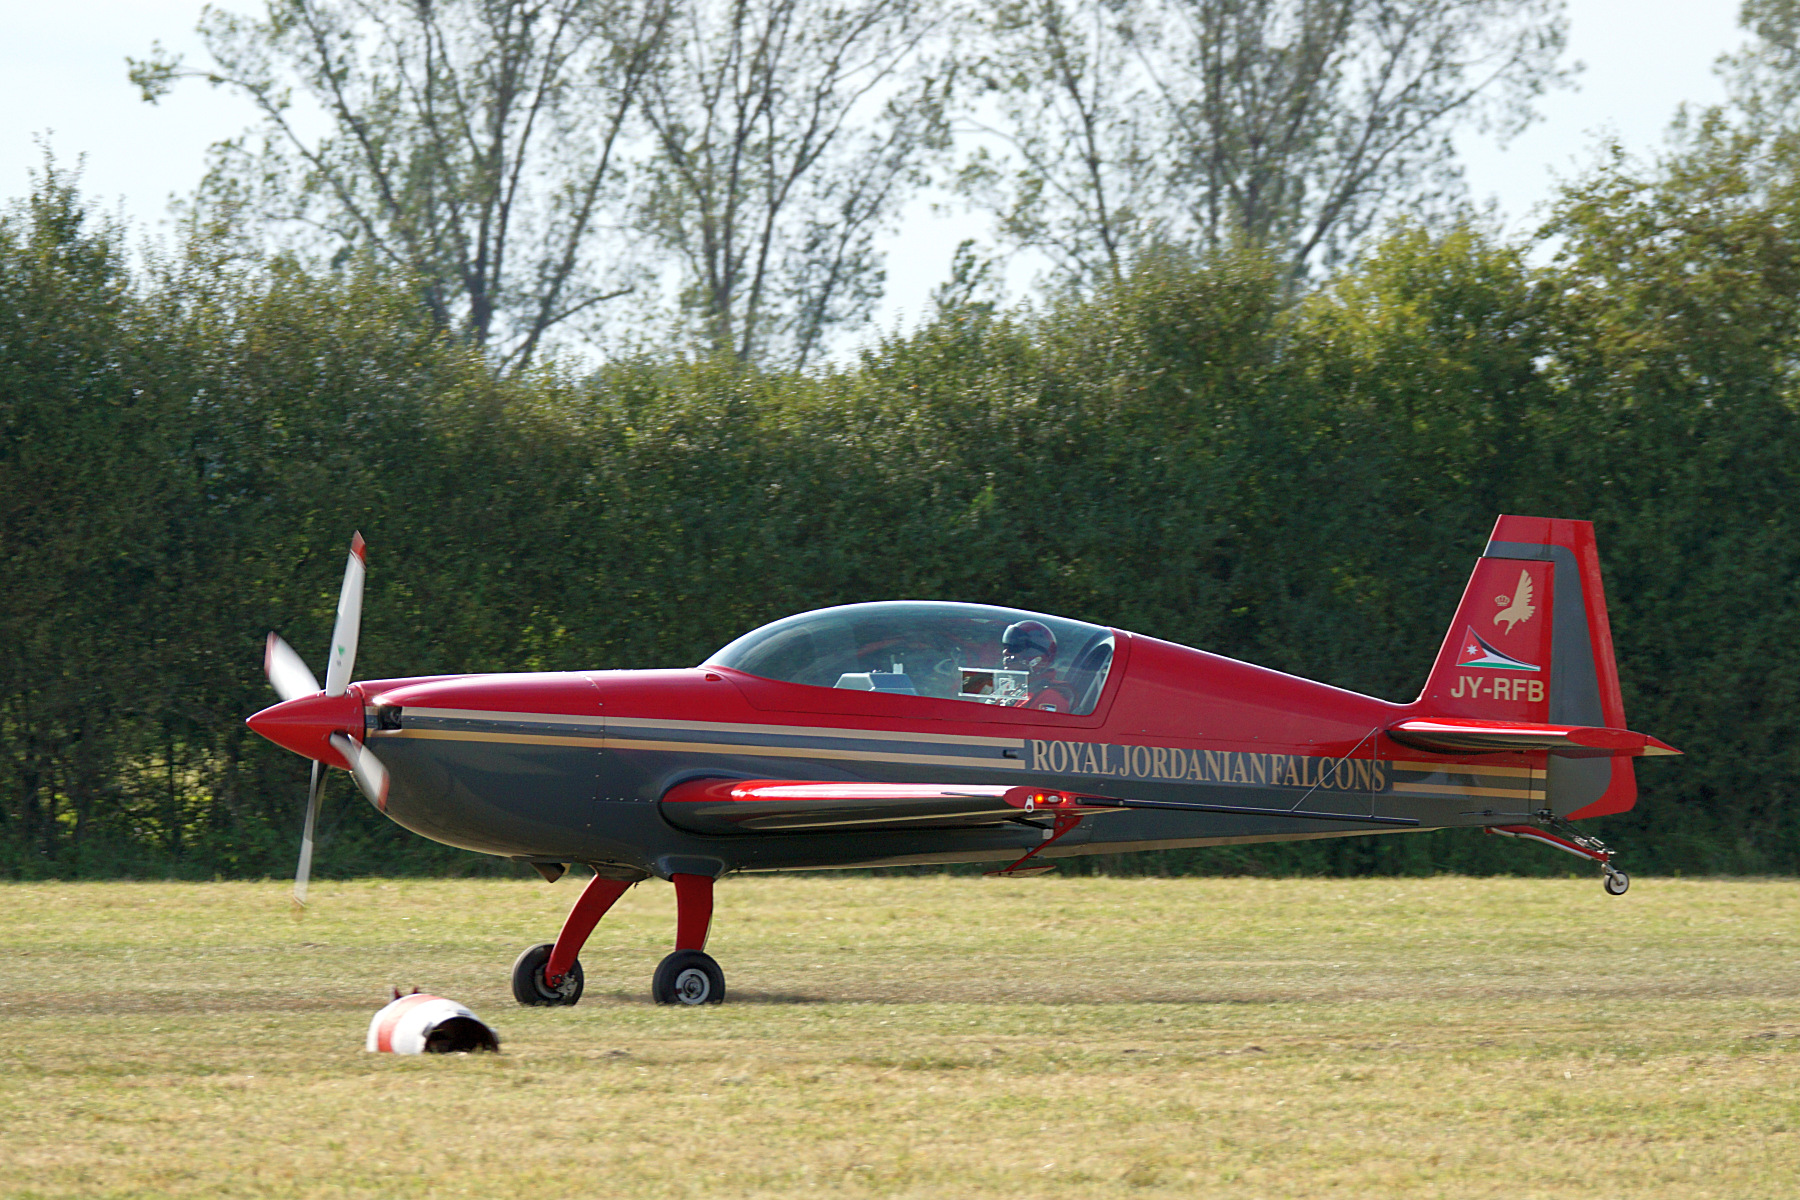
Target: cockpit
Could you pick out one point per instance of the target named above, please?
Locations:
(972, 652)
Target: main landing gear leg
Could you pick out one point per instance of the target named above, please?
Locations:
(690, 976)
(550, 974)
(1062, 824)
(1571, 841)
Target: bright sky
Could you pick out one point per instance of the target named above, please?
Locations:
(62, 71)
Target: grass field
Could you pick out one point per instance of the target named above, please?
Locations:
(917, 1037)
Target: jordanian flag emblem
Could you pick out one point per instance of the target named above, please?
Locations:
(1477, 653)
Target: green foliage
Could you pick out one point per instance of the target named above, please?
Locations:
(1679, 316)
(473, 144)
(1191, 454)
(1295, 126)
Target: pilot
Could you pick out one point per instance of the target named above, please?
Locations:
(1030, 646)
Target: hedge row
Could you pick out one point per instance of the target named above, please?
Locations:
(1197, 454)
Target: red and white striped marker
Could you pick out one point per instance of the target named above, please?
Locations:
(423, 1024)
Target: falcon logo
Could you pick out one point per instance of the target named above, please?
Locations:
(1520, 607)
(1477, 653)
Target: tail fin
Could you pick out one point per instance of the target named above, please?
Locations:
(1531, 643)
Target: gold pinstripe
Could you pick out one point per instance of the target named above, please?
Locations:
(462, 714)
(871, 735)
(739, 748)
(1447, 790)
(1462, 768)
(715, 727)
(944, 760)
(521, 739)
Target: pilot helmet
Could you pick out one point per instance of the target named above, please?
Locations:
(1028, 644)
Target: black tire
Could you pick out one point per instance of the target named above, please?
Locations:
(528, 980)
(1616, 883)
(688, 977)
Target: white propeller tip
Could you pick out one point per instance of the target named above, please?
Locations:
(370, 773)
(349, 620)
(287, 672)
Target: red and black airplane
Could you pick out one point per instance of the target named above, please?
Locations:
(924, 732)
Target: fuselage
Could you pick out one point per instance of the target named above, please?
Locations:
(573, 766)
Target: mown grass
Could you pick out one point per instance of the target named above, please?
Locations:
(917, 1037)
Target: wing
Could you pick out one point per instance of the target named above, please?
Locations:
(802, 806)
(1456, 735)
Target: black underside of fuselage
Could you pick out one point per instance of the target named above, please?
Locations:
(599, 805)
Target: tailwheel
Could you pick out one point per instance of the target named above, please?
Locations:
(531, 987)
(688, 977)
(1571, 841)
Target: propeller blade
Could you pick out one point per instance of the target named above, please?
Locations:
(349, 621)
(287, 671)
(371, 775)
(304, 872)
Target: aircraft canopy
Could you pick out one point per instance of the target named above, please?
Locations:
(973, 652)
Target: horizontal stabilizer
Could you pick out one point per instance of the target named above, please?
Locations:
(1463, 735)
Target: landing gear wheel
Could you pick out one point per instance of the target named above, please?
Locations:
(529, 986)
(1616, 883)
(688, 977)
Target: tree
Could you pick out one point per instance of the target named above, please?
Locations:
(788, 134)
(1075, 184)
(1292, 126)
(474, 145)
(1764, 76)
(84, 438)
(1677, 317)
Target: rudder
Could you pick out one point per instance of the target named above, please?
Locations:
(1531, 642)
